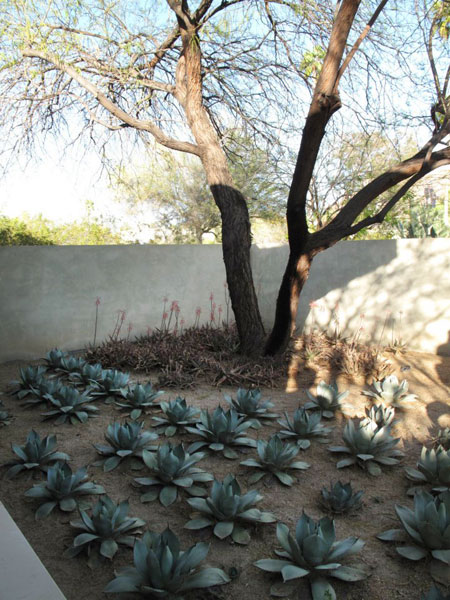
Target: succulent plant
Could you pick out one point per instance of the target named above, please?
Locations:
(69, 405)
(303, 427)
(125, 440)
(368, 446)
(138, 398)
(71, 364)
(433, 468)
(87, 375)
(177, 415)
(5, 417)
(381, 415)
(443, 438)
(34, 455)
(327, 399)
(54, 357)
(107, 527)
(314, 553)
(248, 404)
(62, 488)
(275, 457)
(390, 392)
(162, 570)
(29, 379)
(220, 431)
(428, 528)
(435, 594)
(110, 387)
(39, 393)
(226, 509)
(341, 498)
(171, 469)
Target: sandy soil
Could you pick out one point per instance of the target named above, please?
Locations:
(392, 577)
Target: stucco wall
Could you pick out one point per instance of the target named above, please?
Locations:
(47, 294)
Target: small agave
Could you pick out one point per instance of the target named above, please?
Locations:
(327, 399)
(87, 375)
(368, 446)
(162, 570)
(303, 428)
(30, 377)
(275, 457)
(443, 438)
(62, 488)
(226, 509)
(107, 527)
(54, 357)
(381, 415)
(390, 392)
(435, 594)
(125, 440)
(34, 455)
(341, 498)
(433, 468)
(314, 553)
(71, 364)
(110, 387)
(40, 392)
(138, 398)
(5, 417)
(220, 431)
(69, 405)
(171, 469)
(428, 528)
(177, 415)
(248, 404)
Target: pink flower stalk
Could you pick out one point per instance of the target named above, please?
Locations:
(97, 302)
(174, 305)
(177, 309)
(211, 297)
(165, 299)
(182, 322)
(130, 327)
(313, 304)
(123, 314)
(165, 315)
(212, 317)
(220, 309)
(198, 311)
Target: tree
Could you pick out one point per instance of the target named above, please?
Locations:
(218, 62)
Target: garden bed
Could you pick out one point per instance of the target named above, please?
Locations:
(392, 576)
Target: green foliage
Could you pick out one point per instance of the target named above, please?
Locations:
(441, 18)
(382, 416)
(53, 358)
(248, 404)
(433, 467)
(327, 399)
(68, 404)
(369, 447)
(303, 427)
(313, 552)
(86, 374)
(34, 455)
(312, 61)
(62, 488)
(226, 509)
(41, 390)
(30, 377)
(428, 528)
(125, 440)
(171, 469)
(341, 498)
(71, 364)
(390, 392)
(177, 415)
(220, 431)
(162, 570)
(110, 386)
(275, 457)
(138, 398)
(107, 527)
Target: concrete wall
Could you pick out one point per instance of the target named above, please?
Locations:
(47, 294)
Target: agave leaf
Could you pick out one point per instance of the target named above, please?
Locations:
(322, 589)
(111, 463)
(207, 577)
(122, 584)
(293, 572)
(240, 535)
(442, 555)
(108, 548)
(84, 538)
(412, 552)
(273, 565)
(285, 478)
(199, 523)
(44, 510)
(223, 529)
(168, 495)
(392, 535)
(345, 462)
(347, 573)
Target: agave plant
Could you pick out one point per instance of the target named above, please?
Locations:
(327, 399)
(177, 415)
(29, 379)
(171, 469)
(34, 455)
(275, 457)
(341, 498)
(62, 488)
(390, 392)
(428, 528)
(5, 417)
(71, 364)
(433, 468)
(138, 398)
(435, 594)
(162, 570)
(443, 438)
(54, 357)
(227, 510)
(220, 431)
(382, 416)
(248, 404)
(107, 527)
(303, 428)
(87, 375)
(125, 440)
(69, 405)
(314, 553)
(111, 385)
(39, 393)
(368, 446)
